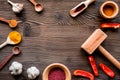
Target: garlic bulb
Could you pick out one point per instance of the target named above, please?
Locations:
(16, 68)
(16, 7)
(32, 72)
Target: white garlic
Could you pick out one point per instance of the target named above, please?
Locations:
(32, 72)
(16, 7)
(16, 68)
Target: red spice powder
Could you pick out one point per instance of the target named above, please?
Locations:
(56, 74)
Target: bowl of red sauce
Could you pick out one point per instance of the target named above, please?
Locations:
(56, 71)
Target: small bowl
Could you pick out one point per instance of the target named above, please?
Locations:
(56, 65)
(109, 10)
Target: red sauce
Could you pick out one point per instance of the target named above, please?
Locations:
(56, 74)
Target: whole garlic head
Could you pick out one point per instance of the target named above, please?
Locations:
(32, 72)
(16, 68)
(17, 8)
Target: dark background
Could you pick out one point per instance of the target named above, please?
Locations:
(54, 36)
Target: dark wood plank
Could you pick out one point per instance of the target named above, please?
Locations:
(53, 36)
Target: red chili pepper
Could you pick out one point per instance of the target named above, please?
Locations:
(84, 74)
(110, 25)
(93, 65)
(107, 70)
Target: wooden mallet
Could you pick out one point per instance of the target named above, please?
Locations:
(94, 41)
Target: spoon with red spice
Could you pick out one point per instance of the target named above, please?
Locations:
(80, 7)
(38, 7)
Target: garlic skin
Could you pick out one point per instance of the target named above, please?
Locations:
(15, 68)
(16, 7)
(32, 72)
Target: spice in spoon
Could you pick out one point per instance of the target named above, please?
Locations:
(12, 23)
(13, 38)
(80, 7)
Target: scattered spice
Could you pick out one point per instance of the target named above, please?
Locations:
(56, 74)
(108, 10)
(15, 37)
(12, 23)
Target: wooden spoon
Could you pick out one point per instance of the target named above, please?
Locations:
(80, 7)
(38, 7)
(12, 23)
(15, 51)
(9, 41)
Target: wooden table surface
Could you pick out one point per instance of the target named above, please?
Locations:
(53, 36)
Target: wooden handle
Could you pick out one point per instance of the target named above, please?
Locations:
(88, 2)
(5, 60)
(4, 20)
(109, 57)
(33, 2)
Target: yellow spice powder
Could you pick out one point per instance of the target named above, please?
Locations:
(13, 23)
(15, 37)
(108, 10)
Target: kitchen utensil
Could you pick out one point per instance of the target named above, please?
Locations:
(80, 7)
(94, 42)
(38, 7)
(12, 23)
(9, 41)
(109, 10)
(56, 65)
(15, 51)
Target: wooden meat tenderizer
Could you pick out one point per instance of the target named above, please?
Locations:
(94, 42)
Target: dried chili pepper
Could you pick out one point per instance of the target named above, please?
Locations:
(93, 65)
(110, 25)
(107, 70)
(84, 74)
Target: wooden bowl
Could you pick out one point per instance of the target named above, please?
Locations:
(56, 65)
(109, 10)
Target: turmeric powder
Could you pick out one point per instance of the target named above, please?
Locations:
(15, 37)
(108, 10)
(12, 23)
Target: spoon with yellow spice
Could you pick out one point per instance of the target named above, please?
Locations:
(13, 38)
(12, 23)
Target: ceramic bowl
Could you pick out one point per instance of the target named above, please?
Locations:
(112, 9)
(56, 65)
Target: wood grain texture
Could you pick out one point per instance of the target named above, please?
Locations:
(54, 36)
